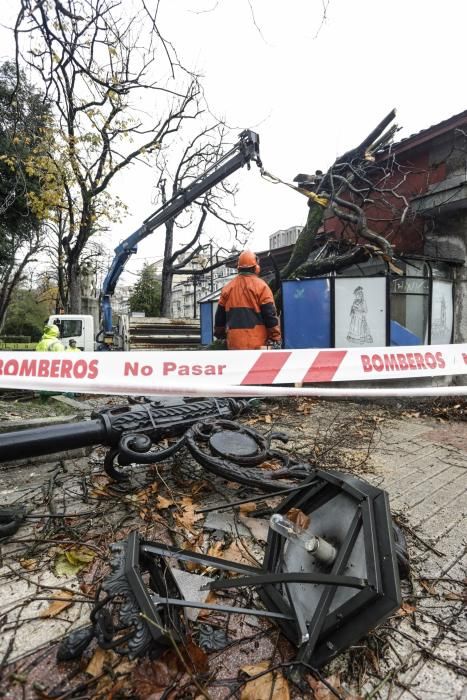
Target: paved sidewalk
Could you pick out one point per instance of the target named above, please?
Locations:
(423, 466)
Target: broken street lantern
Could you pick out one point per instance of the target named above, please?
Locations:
(322, 603)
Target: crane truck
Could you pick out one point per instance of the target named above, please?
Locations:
(115, 336)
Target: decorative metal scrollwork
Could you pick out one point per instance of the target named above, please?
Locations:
(236, 452)
(130, 616)
(137, 449)
(134, 432)
(116, 615)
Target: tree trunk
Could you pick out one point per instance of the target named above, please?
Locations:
(335, 262)
(74, 287)
(167, 272)
(11, 280)
(304, 243)
(74, 255)
(166, 293)
(306, 239)
(4, 297)
(62, 300)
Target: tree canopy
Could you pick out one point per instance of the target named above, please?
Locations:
(24, 120)
(28, 186)
(146, 295)
(26, 315)
(103, 66)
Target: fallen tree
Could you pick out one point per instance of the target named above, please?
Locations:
(366, 176)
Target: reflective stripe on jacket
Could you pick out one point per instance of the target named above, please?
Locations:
(246, 313)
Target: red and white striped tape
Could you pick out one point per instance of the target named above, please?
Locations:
(208, 372)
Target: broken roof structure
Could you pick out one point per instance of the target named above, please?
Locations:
(422, 212)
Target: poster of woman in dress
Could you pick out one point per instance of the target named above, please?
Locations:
(360, 312)
(441, 312)
(359, 331)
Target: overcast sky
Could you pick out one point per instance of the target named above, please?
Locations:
(311, 90)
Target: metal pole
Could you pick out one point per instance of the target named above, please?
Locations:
(212, 271)
(34, 442)
(194, 296)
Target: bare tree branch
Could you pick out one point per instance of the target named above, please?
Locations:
(94, 59)
(201, 151)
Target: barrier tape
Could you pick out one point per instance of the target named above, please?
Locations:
(220, 372)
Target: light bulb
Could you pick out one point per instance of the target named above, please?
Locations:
(316, 546)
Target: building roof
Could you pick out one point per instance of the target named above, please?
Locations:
(430, 132)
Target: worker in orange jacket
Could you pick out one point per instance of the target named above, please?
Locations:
(246, 313)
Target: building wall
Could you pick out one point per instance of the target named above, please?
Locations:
(284, 237)
(419, 170)
(183, 292)
(433, 178)
(444, 208)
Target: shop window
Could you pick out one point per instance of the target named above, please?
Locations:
(409, 304)
(442, 312)
(409, 311)
(416, 306)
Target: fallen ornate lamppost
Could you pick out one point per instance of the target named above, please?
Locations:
(325, 584)
(130, 431)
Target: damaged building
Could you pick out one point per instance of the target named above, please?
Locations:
(418, 297)
(414, 297)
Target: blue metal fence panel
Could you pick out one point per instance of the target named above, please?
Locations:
(206, 321)
(306, 314)
(400, 335)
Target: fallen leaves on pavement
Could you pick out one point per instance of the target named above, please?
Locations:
(238, 552)
(247, 507)
(428, 587)
(70, 562)
(272, 465)
(142, 496)
(215, 549)
(57, 606)
(297, 516)
(96, 664)
(185, 514)
(405, 609)
(28, 564)
(321, 691)
(152, 678)
(270, 686)
(212, 600)
(163, 503)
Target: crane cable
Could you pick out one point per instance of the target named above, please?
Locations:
(274, 180)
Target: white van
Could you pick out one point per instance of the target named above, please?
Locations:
(73, 327)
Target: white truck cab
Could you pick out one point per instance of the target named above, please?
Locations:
(75, 327)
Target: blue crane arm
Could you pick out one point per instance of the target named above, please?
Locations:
(244, 151)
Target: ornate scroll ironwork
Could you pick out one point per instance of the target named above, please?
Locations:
(135, 431)
(236, 453)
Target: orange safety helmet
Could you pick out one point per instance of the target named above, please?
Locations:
(247, 260)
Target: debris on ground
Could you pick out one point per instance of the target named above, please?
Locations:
(52, 568)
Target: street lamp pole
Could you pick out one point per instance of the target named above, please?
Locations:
(195, 279)
(212, 271)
